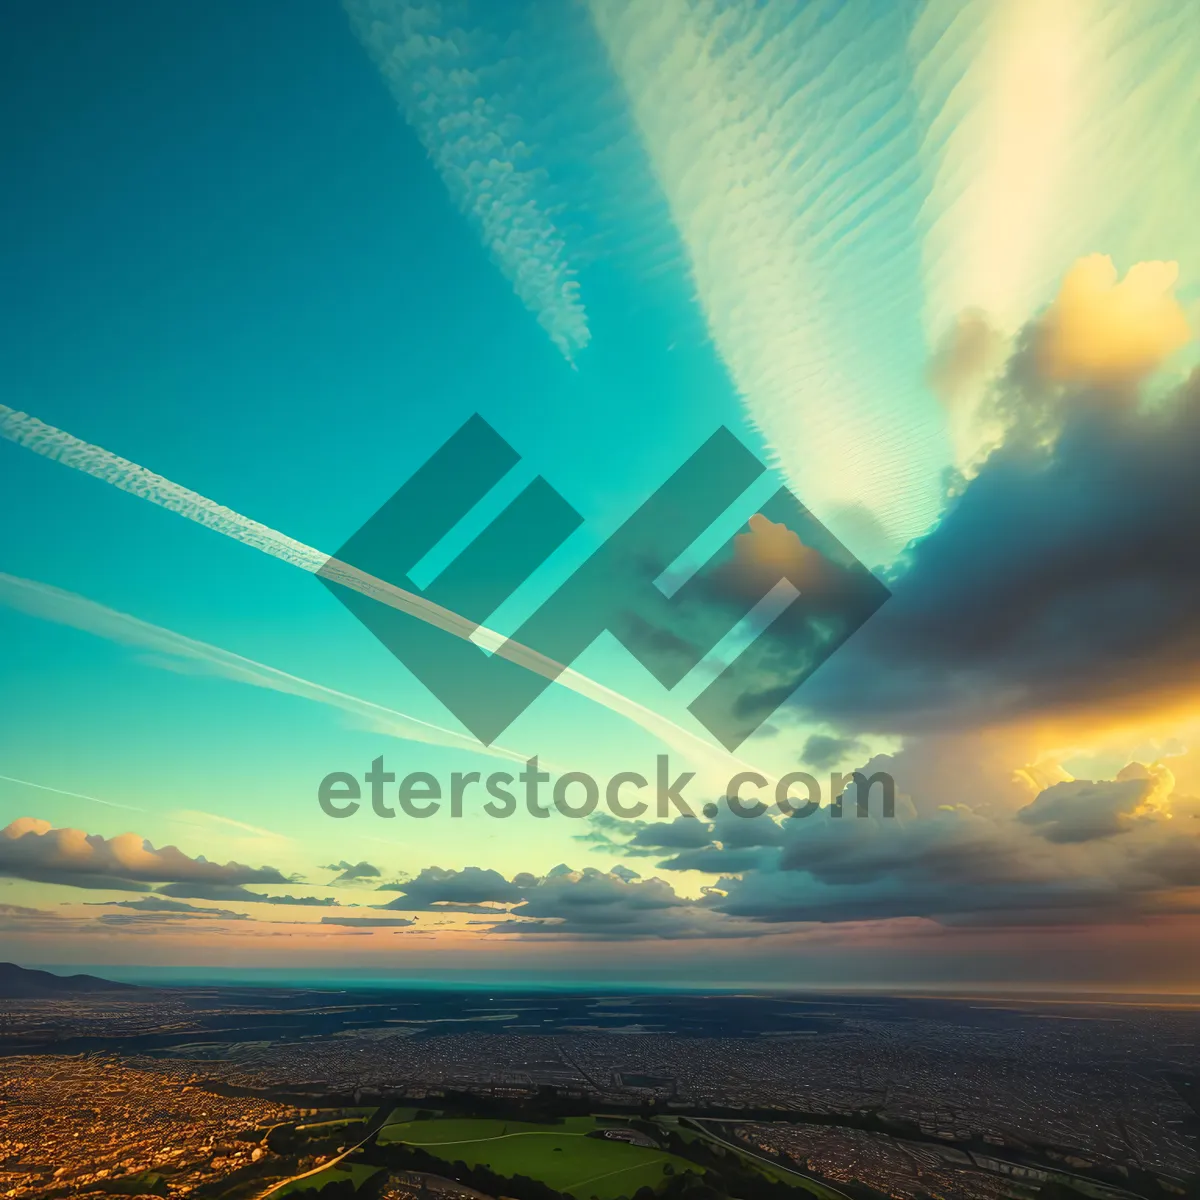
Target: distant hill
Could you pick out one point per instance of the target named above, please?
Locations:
(18, 983)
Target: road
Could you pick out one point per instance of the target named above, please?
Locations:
(333, 1162)
(698, 1122)
(377, 1121)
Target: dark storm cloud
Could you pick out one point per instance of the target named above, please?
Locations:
(1063, 575)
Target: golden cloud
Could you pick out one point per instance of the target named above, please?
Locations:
(1104, 332)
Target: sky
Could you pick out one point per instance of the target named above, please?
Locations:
(933, 265)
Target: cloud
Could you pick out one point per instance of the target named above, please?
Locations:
(146, 912)
(369, 922)
(19, 918)
(352, 871)
(455, 82)
(975, 844)
(605, 832)
(594, 905)
(966, 354)
(32, 849)
(822, 751)
(1101, 332)
(1056, 581)
(227, 893)
(1056, 859)
(1080, 810)
(683, 833)
(160, 904)
(1000, 112)
(468, 890)
(788, 165)
(566, 903)
(593, 902)
(729, 844)
(1033, 123)
(1035, 147)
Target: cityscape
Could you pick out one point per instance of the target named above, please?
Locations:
(225, 1091)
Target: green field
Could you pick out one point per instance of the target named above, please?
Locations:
(561, 1156)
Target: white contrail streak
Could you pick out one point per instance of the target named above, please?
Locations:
(62, 447)
(67, 608)
(41, 787)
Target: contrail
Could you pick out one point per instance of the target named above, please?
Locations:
(63, 447)
(41, 787)
(67, 608)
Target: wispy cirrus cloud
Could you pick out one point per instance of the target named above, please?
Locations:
(781, 137)
(454, 80)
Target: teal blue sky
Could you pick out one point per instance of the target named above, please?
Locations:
(233, 264)
(240, 271)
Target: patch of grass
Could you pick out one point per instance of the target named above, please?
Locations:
(400, 1115)
(562, 1156)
